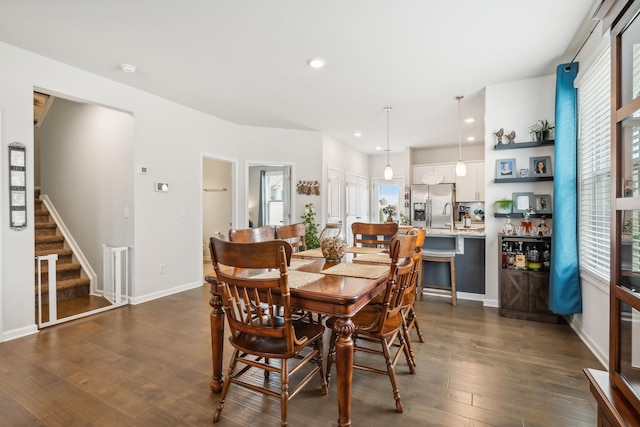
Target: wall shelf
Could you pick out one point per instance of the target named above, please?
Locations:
(529, 144)
(525, 179)
(504, 215)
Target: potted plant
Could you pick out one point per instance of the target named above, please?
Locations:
(309, 220)
(390, 211)
(541, 130)
(503, 205)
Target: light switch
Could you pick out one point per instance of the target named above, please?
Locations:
(126, 212)
(182, 212)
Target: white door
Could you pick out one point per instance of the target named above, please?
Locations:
(357, 202)
(334, 196)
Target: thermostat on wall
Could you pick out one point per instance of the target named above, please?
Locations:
(163, 187)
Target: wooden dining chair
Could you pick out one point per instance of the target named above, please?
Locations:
(259, 336)
(373, 235)
(409, 301)
(247, 235)
(294, 234)
(382, 324)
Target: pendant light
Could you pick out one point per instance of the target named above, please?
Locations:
(461, 168)
(388, 172)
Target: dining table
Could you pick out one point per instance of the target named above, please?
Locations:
(336, 289)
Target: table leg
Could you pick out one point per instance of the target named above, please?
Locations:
(344, 327)
(217, 336)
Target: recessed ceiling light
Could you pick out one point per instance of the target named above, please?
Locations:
(128, 68)
(469, 120)
(379, 148)
(357, 134)
(316, 62)
(471, 138)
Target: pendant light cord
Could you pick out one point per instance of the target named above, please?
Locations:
(459, 98)
(388, 109)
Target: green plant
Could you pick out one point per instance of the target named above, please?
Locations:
(404, 219)
(390, 210)
(503, 204)
(311, 237)
(540, 129)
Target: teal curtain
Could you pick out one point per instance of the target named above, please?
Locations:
(564, 286)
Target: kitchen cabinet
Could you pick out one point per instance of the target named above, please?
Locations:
(447, 170)
(524, 293)
(470, 188)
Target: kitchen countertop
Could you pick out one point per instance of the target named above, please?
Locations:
(475, 231)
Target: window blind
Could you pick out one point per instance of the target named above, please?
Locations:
(594, 164)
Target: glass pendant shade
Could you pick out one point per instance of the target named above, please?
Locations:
(388, 172)
(461, 168)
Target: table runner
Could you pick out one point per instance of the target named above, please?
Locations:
(297, 278)
(295, 264)
(316, 253)
(373, 258)
(360, 250)
(366, 271)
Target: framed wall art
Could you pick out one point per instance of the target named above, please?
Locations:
(17, 186)
(542, 203)
(540, 166)
(522, 201)
(506, 168)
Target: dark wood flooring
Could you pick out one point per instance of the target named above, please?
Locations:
(150, 365)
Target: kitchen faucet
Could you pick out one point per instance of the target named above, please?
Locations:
(444, 212)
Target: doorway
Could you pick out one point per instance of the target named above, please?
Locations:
(72, 232)
(217, 201)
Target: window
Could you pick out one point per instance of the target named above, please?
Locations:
(594, 167)
(387, 197)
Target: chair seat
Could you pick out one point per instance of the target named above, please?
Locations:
(438, 253)
(368, 316)
(276, 348)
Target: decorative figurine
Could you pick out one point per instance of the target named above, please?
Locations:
(511, 137)
(499, 135)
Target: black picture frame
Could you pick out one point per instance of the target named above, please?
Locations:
(17, 186)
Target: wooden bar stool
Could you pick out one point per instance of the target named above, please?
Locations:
(435, 255)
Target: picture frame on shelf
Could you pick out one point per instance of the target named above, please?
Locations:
(542, 203)
(540, 166)
(522, 201)
(524, 173)
(506, 168)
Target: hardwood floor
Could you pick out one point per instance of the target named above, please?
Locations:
(150, 365)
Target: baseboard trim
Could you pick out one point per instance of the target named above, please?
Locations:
(153, 296)
(19, 333)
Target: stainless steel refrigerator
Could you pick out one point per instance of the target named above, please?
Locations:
(433, 205)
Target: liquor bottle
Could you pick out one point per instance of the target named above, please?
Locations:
(521, 260)
(533, 259)
(511, 257)
(504, 254)
(508, 228)
(546, 257)
(543, 227)
(526, 223)
(466, 220)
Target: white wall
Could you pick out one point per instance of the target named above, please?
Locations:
(512, 106)
(86, 163)
(170, 140)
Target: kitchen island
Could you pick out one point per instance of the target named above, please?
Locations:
(469, 245)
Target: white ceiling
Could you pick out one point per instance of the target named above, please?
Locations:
(246, 60)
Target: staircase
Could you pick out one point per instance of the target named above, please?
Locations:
(70, 283)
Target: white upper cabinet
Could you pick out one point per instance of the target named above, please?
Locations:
(446, 170)
(470, 188)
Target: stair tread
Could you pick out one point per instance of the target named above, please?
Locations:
(69, 266)
(65, 284)
(44, 252)
(44, 239)
(43, 225)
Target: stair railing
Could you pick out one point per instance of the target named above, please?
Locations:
(70, 241)
(51, 260)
